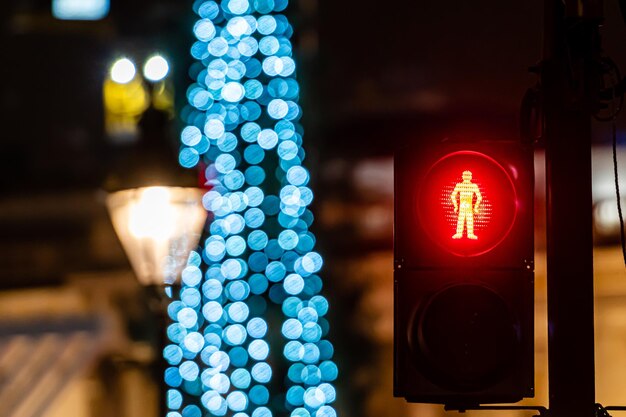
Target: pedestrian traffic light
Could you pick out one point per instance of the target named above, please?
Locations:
(463, 273)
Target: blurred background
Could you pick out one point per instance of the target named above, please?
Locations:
(81, 96)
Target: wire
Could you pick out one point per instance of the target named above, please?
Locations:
(612, 97)
(617, 193)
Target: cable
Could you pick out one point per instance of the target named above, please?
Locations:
(611, 96)
(617, 193)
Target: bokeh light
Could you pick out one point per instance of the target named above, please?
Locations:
(242, 126)
(123, 71)
(156, 68)
(80, 10)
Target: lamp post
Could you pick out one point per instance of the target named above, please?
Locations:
(158, 227)
(158, 216)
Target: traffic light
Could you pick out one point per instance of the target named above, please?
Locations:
(463, 273)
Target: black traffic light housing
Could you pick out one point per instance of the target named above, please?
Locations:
(463, 329)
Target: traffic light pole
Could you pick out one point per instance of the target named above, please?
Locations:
(568, 84)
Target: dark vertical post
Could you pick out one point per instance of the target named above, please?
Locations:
(161, 364)
(568, 81)
(157, 304)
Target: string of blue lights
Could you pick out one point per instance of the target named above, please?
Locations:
(242, 125)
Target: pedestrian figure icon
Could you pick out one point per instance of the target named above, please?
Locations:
(465, 207)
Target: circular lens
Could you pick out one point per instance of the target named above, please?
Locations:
(465, 337)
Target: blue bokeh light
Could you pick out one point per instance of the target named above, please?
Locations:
(266, 25)
(242, 127)
(194, 342)
(300, 412)
(240, 378)
(204, 30)
(311, 375)
(173, 354)
(220, 383)
(262, 412)
(174, 399)
(80, 10)
(237, 290)
(262, 372)
(220, 361)
(314, 397)
(208, 10)
(258, 349)
(187, 317)
(326, 411)
(267, 139)
(234, 334)
(237, 401)
(257, 327)
(172, 377)
(237, 312)
(189, 371)
(259, 395)
(238, 6)
(292, 329)
(238, 356)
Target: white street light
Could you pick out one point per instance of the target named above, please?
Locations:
(158, 228)
(123, 71)
(156, 68)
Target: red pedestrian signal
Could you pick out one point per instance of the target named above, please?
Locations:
(467, 203)
(463, 248)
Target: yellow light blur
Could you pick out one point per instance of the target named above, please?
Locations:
(123, 105)
(163, 97)
(465, 207)
(130, 99)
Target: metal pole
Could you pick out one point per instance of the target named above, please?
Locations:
(571, 45)
(157, 303)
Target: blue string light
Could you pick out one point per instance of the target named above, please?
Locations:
(242, 122)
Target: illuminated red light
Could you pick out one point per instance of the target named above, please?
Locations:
(466, 199)
(467, 203)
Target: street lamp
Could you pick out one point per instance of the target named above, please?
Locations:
(158, 227)
(158, 216)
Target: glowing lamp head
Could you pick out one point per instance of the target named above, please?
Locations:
(158, 227)
(152, 216)
(156, 68)
(467, 176)
(123, 71)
